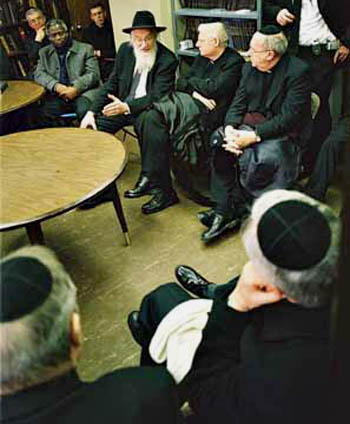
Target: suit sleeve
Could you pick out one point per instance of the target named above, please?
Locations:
(295, 108)
(271, 9)
(41, 76)
(91, 76)
(239, 105)
(163, 83)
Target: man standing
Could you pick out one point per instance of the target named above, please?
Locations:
(37, 38)
(259, 147)
(100, 35)
(68, 70)
(40, 343)
(319, 34)
(258, 347)
(144, 72)
(203, 94)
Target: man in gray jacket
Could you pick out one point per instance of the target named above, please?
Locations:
(68, 69)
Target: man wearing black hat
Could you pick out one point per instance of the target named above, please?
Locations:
(319, 32)
(39, 346)
(144, 71)
(258, 347)
(259, 147)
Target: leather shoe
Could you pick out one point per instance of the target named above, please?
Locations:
(219, 226)
(206, 217)
(161, 200)
(142, 187)
(136, 329)
(194, 282)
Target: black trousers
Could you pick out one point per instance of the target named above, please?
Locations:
(54, 106)
(322, 71)
(328, 159)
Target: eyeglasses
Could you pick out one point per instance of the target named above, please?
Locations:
(146, 40)
(56, 34)
(204, 40)
(251, 50)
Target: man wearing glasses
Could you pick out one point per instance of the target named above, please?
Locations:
(258, 148)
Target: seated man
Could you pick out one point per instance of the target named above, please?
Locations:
(256, 349)
(36, 38)
(39, 346)
(144, 72)
(100, 35)
(273, 104)
(68, 70)
(204, 94)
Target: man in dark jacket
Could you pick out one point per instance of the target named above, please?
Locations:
(100, 35)
(40, 343)
(144, 72)
(264, 349)
(259, 147)
(319, 32)
(201, 99)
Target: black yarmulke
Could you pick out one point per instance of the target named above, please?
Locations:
(270, 30)
(25, 285)
(294, 235)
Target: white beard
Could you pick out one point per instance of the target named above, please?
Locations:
(144, 61)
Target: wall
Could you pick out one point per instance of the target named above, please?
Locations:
(123, 11)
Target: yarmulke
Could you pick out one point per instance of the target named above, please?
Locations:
(25, 285)
(270, 30)
(294, 235)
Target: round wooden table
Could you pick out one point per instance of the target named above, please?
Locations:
(48, 172)
(19, 94)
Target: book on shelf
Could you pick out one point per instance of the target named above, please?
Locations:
(4, 44)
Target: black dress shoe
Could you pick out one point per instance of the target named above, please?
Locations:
(206, 217)
(194, 282)
(161, 200)
(142, 187)
(136, 329)
(219, 226)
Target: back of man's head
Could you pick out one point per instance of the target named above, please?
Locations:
(38, 299)
(293, 242)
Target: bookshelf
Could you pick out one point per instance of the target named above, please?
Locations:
(14, 29)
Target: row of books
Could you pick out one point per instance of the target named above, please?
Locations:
(11, 47)
(8, 13)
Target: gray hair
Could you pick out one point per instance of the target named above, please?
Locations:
(33, 10)
(276, 42)
(55, 22)
(36, 344)
(215, 30)
(310, 287)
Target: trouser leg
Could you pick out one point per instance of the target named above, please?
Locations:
(81, 106)
(224, 185)
(112, 124)
(156, 150)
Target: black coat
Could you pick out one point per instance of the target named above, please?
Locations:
(128, 396)
(335, 13)
(160, 80)
(100, 38)
(286, 105)
(268, 366)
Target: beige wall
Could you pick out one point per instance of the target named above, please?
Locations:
(123, 11)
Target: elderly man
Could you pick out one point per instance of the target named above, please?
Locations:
(100, 35)
(68, 70)
(36, 38)
(144, 72)
(39, 346)
(319, 34)
(259, 147)
(258, 347)
(204, 94)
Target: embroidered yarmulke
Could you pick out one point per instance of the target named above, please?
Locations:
(270, 30)
(294, 235)
(25, 285)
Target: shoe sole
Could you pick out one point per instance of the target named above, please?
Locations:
(155, 210)
(227, 227)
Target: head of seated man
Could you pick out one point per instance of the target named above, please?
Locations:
(212, 40)
(57, 32)
(35, 19)
(98, 14)
(266, 49)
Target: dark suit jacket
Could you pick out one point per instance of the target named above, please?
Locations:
(128, 396)
(334, 12)
(287, 103)
(160, 80)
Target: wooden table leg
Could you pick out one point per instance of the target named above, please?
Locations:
(35, 233)
(119, 210)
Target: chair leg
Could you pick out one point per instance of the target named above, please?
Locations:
(119, 210)
(35, 233)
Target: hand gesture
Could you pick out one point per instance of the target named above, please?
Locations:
(284, 17)
(88, 121)
(117, 107)
(208, 103)
(40, 34)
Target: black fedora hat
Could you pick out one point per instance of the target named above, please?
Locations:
(144, 19)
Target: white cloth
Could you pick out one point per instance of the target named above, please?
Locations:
(313, 28)
(179, 335)
(141, 88)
